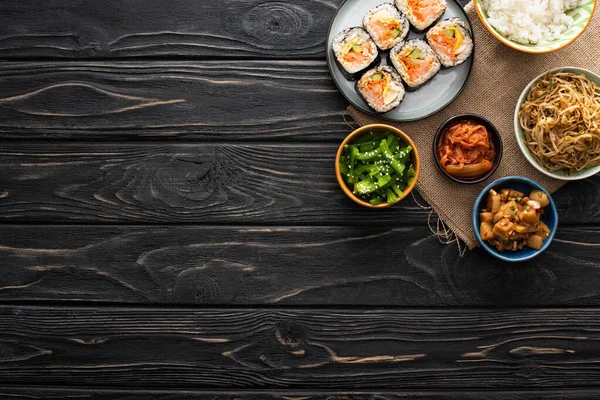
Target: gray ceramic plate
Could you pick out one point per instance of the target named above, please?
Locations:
(425, 101)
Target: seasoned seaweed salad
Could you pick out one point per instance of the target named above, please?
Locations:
(377, 167)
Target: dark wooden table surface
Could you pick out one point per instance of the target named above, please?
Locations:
(171, 227)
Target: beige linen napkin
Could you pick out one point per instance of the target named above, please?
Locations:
(497, 79)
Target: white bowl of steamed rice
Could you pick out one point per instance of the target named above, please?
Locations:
(557, 123)
(540, 26)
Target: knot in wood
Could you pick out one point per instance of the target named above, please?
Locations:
(194, 286)
(278, 24)
(185, 181)
(92, 39)
(289, 335)
(528, 371)
(216, 281)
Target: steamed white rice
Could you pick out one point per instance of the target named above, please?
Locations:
(530, 21)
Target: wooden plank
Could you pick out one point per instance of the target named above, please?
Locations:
(35, 393)
(180, 184)
(156, 28)
(300, 349)
(300, 266)
(208, 100)
(204, 183)
(150, 28)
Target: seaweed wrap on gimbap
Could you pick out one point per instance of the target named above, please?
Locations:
(451, 40)
(422, 13)
(416, 62)
(354, 51)
(386, 25)
(382, 89)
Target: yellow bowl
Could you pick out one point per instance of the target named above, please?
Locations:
(582, 15)
(377, 128)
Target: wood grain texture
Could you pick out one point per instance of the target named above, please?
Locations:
(11, 393)
(114, 183)
(151, 28)
(301, 266)
(155, 28)
(208, 100)
(326, 349)
(204, 183)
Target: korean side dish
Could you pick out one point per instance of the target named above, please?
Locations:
(414, 62)
(377, 167)
(511, 220)
(466, 150)
(530, 22)
(560, 119)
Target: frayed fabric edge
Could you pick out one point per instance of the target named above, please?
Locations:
(442, 231)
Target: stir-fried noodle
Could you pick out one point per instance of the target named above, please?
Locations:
(561, 122)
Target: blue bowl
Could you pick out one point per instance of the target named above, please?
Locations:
(524, 185)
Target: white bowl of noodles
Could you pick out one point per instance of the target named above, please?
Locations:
(557, 123)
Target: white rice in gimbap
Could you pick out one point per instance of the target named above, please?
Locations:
(415, 61)
(422, 13)
(381, 88)
(354, 50)
(386, 25)
(451, 40)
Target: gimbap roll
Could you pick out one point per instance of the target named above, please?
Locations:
(386, 25)
(354, 51)
(422, 13)
(451, 40)
(382, 89)
(416, 62)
